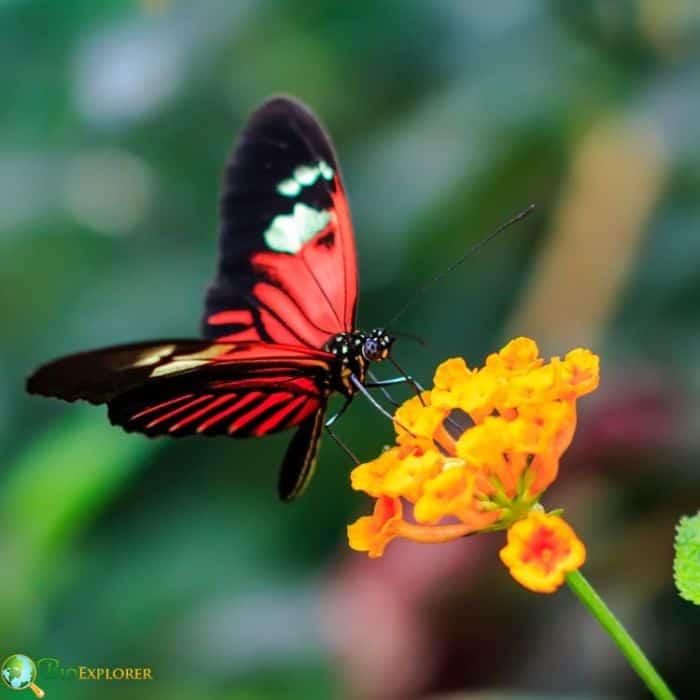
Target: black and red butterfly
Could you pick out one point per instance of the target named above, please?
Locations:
(279, 322)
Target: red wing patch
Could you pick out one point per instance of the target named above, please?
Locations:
(305, 298)
(235, 408)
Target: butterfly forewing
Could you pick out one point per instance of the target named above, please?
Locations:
(287, 268)
(99, 375)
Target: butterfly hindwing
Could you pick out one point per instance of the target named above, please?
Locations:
(245, 407)
(300, 459)
(287, 268)
(183, 387)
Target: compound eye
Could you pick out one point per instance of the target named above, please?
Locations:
(371, 349)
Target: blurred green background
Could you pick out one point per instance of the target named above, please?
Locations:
(448, 117)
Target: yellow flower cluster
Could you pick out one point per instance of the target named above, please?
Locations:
(460, 479)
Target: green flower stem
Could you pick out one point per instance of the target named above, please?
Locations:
(639, 662)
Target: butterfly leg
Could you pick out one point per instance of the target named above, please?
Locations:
(361, 388)
(384, 412)
(336, 439)
(458, 426)
(385, 382)
(342, 445)
(342, 410)
(381, 383)
(417, 388)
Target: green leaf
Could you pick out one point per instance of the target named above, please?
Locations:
(686, 565)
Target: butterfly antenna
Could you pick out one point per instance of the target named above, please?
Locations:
(467, 254)
(411, 336)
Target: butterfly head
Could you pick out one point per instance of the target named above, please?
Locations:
(377, 345)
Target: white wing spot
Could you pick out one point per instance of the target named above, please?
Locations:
(304, 176)
(288, 232)
(289, 188)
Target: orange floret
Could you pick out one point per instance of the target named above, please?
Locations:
(372, 533)
(541, 550)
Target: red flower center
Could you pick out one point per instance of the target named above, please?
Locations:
(545, 548)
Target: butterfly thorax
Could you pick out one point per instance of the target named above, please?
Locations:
(355, 351)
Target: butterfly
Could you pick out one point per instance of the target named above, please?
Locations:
(279, 334)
